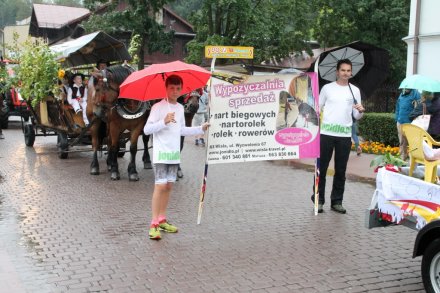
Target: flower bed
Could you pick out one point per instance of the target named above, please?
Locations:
(377, 148)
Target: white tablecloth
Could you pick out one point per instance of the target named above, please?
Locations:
(399, 196)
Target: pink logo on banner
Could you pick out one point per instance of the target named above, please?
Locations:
(293, 136)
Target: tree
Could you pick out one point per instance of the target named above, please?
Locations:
(139, 19)
(380, 22)
(72, 3)
(184, 8)
(273, 28)
(11, 11)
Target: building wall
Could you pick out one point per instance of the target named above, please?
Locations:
(2, 44)
(428, 61)
(21, 30)
(178, 52)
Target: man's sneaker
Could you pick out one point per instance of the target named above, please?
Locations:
(202, 142)
(154, 233)
(167, 227)
(338, 208)
(197, 142)
(2, 136)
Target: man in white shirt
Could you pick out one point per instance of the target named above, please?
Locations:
(338, 101)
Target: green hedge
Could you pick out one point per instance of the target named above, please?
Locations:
(379, 127)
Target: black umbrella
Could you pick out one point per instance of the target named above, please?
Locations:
(370, 65)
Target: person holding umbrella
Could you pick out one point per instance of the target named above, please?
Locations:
(167, 123)
(404, 106)
(338, 101)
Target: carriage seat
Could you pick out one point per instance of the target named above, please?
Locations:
(16, 99)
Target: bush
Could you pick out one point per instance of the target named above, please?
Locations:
(37, 72)
(379, 127)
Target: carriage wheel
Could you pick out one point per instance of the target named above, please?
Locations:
(63, 145)
(29, 135)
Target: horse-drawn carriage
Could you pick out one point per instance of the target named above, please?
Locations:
(107, 115)
(53, 116)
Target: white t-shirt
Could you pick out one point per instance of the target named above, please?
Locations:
(337, 104)
(166, 137)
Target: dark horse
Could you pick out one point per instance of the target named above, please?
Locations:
(118, 115)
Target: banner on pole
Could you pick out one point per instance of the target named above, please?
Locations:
(263, 117)
(229, 52)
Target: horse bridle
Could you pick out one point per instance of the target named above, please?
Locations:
(106, 83)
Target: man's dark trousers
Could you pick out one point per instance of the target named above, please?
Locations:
(342, 147)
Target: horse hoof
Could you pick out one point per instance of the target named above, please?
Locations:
(94, 171)
(133, 177)
(115, 176)
(147, 165)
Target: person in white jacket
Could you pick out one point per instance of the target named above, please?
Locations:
(338, 101)
(167, 123)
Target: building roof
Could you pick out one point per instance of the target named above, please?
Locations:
(56, 16)
(184, 21)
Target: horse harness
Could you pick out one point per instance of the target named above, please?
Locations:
(121, 104)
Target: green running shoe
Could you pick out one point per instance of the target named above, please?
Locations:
(167, 227)
(154, 233)
(338, 208)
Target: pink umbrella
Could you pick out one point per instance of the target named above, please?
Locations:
(149, 83)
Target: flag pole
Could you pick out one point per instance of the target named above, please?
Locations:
(317, 162)
(205, 172)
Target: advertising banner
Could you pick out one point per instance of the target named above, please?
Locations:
(263, 117)
(229, 52)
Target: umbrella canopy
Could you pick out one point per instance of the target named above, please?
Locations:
(421, 83)
(370, 65)
(149, 83)
(90, 48)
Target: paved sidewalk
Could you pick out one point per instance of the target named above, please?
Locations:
(358, 167)
(62, 230)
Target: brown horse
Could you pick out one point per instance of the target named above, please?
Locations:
(118, 115)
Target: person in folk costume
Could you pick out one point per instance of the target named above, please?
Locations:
(77, 96)
(102, 64)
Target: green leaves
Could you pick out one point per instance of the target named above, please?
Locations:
(387, 159)
(139, 19)
(379, 127)
(37, 71)
(380, 22)
(273, 28)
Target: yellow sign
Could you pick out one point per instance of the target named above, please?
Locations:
(229, 52)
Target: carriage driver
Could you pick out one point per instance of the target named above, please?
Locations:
(77, 96)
